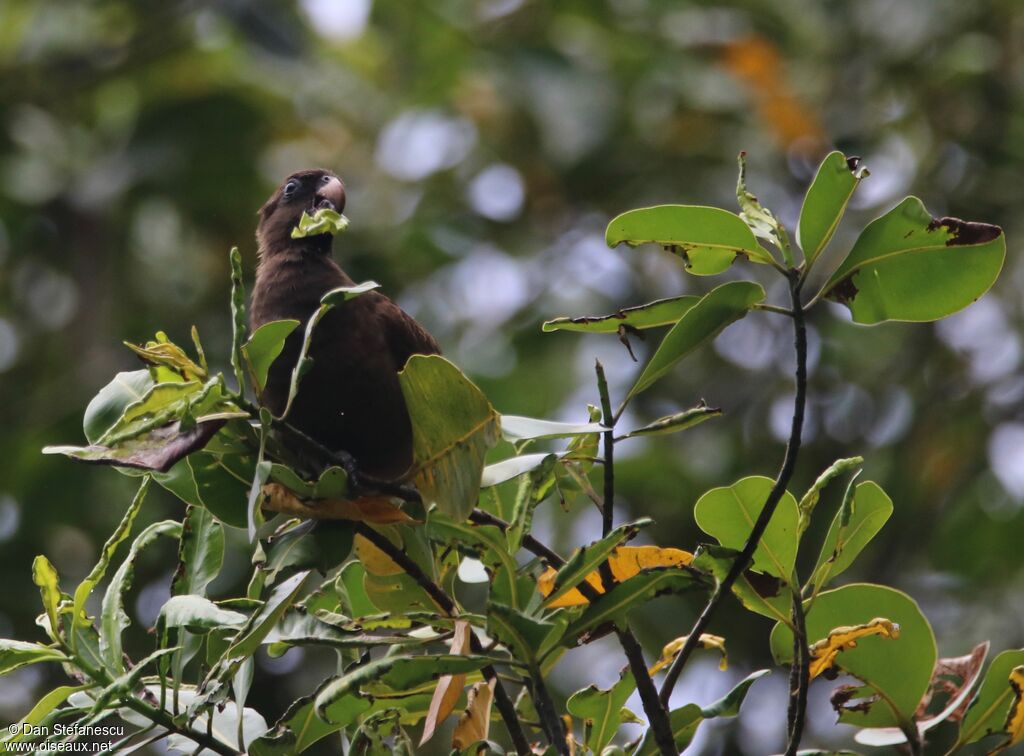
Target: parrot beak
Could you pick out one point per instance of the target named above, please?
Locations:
(331, 194)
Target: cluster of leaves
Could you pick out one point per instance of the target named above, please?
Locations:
(408, 650)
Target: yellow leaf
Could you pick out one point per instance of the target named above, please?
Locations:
(164, 353)
(376, 509)
(1015, 718)
(375, 561)
(449, 687)
(625, 561)
(707, 640)
(825, 651)
(475, 722)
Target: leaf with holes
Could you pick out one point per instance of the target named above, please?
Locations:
(910, 266)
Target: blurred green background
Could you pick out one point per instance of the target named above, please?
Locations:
(485, 145)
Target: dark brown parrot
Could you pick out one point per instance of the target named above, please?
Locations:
(350, 400)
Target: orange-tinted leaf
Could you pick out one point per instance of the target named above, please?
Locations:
(475, 722)
(1015, 719)
(375, 561)
(825, 651)
(707, 640)
(449, 687)
(376, 509)
(625, 561)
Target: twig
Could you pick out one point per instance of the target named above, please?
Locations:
(156, 715)
(774, 308)
(656, 711)
(501, 698)
(800, 675)
(551, 723)
(531, 544)
(778, 489)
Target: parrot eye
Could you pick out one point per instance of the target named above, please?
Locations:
(326, 179)
(289, 188)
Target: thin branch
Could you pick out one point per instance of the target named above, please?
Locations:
(800, 675)
(774, 308)
(156, 715)
(608, 504)
(656, 711)
(778, 489)
(501, 698)
(552, 724)
(531, 544)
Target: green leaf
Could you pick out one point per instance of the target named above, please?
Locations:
(261, 623)
(707, 238)
(907, 265)
(616, 603)
(159, 449)
(15, 654)
(516, 428)
(296, 730)
(200, 553)
(586, 559)
(701, 323)
(107, 407)
(239, 324)
(989, 710)
(513, 467)
(86, 587)
(759, 593)
(44, 575)
(398, 673)
(332, 484)
(899, 670)
(661, 312)
(124, 685)
(684, 723)
(197, 614)
(533, 489)
(825, 202)
(524, 636)
(674, 423)
(297, 628)
(810, 499)
(761, 221)
(485, 542)
(729, 704)
(343, 294)
(323, 546)
(453, 426)
(601, 710)
(728, 514)
(265, 346)
(323, 221)
(40, 711)
(351, 591)
(165, 401)
(113, 619)
(218, 482)
(860, 517)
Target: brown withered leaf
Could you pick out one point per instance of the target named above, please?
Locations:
(380, 510)
(953, 677)
(475, 722)
(157, 450)
(449, 687)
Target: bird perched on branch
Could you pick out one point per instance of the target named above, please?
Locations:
(350, 400)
